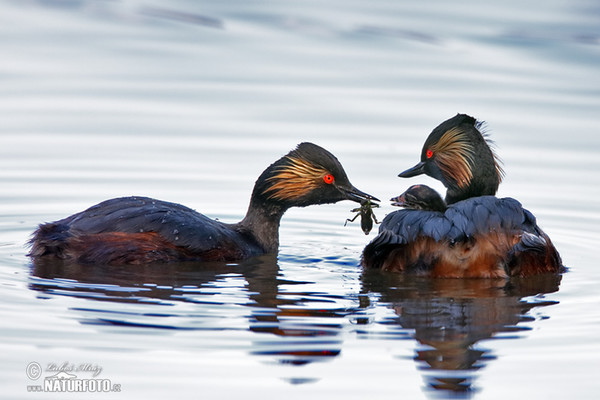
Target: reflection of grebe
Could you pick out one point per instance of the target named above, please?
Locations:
(138, 230)
(308, 331)
(478, 235)
(450, 318)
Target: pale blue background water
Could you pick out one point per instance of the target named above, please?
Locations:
(189, 101)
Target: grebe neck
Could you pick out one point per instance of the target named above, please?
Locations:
(262, 224)
(476, 188)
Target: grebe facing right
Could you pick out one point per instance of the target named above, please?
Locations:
(139, 230)
(477, 235)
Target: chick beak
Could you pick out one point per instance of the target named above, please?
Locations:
(399, 201)
(354, 194)
(418, 169)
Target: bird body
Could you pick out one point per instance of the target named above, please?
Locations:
(137, 230)
(480, 237)
(140, 230)
(473, 234)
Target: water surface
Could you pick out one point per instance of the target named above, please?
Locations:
(189, 102)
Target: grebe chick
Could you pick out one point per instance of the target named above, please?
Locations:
(139, 230)
(420, 197)
(478, 235)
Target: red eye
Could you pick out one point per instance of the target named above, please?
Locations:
(328, 179)
(429, 153)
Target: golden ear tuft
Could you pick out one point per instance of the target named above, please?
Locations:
(294, 179)
(454, 155)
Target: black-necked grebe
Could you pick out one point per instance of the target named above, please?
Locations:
(137, 230)
(477, 234)
(461, 157)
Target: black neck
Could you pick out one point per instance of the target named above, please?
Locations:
(262, 224)
(476, 188)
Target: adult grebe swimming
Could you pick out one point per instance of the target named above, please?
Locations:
(477, 234)
(137, 230)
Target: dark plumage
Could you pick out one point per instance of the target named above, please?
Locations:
(136, 230)
(420, 197)
(461, 157)
(476, 234)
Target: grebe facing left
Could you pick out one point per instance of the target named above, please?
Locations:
(476, 235)
(139, 230)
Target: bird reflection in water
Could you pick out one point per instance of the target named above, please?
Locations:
(308, 325)
(449, 317)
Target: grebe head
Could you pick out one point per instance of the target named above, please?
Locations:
(459, 155)
(420, 197)
(307, 175)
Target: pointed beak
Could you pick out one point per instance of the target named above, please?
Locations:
(418, 169)
(398, 201)
(354, 194)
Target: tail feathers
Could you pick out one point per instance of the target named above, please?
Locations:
(50, 239)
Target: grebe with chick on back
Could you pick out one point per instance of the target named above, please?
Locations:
(473, 234)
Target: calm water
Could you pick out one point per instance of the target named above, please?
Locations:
(189, 102)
